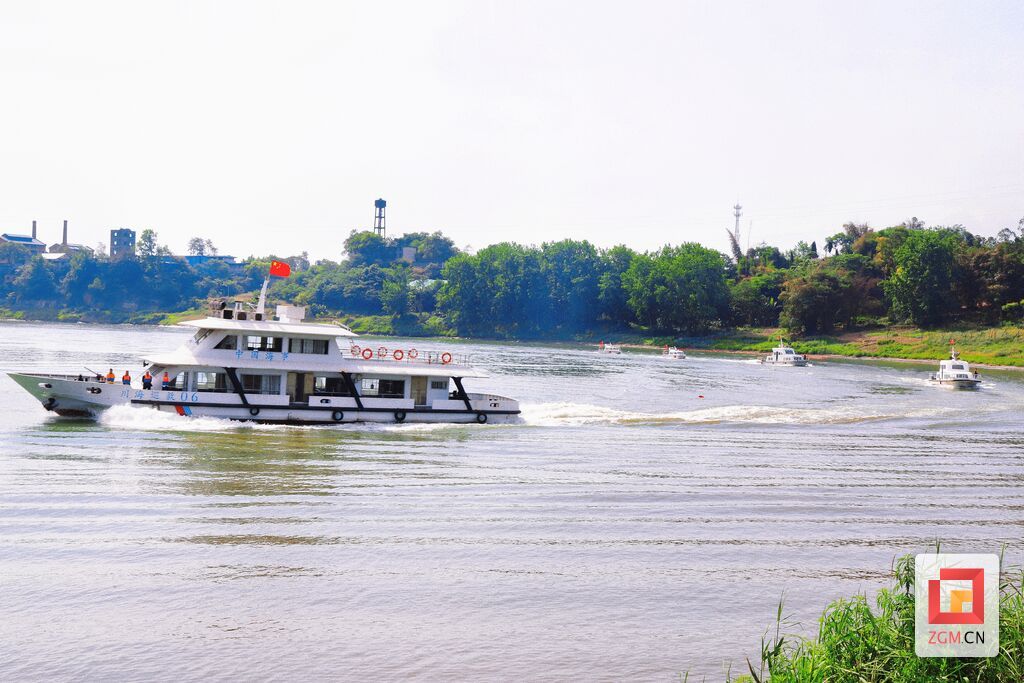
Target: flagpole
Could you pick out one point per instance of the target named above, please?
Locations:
(261, 306)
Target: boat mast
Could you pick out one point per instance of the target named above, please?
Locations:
(261, 306)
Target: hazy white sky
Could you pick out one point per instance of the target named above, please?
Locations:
(272, 127)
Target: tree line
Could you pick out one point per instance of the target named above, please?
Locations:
(907, 273)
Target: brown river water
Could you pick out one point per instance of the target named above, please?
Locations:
(625, 529)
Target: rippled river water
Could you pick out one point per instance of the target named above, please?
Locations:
(626, 529)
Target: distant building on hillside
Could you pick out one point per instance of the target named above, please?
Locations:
(122, 242)
(29, 242)
(407, 254)
(198, 260)
(65, 248)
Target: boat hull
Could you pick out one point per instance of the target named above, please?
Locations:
(785, 364)
(959, 383)
(69, 397)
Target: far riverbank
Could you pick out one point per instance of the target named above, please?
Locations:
(992, 347)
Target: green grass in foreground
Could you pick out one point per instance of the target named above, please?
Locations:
(858, 643)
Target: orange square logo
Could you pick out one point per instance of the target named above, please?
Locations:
(959, 598)
(956, 611)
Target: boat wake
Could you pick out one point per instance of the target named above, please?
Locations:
(146, 419)
(572, 414)
(540, 415)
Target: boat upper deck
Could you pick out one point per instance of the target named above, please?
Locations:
(285, 327)
(234, 337)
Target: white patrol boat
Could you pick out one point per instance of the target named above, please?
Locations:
(673, 353)
(784, 355)
(242, 366)
(955, 372)
(612, 349)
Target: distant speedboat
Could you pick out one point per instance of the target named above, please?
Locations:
(784, 355)
(673, 353)
(955, 372)
(609, 348)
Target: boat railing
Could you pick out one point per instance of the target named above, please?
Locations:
(87, 377)
(409, 355)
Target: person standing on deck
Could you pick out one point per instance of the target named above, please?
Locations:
(110, 376)
(166, 382)
(126, 379)
(147, 381)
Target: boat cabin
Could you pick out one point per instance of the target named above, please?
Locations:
(288, 363)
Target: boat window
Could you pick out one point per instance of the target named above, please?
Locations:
(958, 366)
(178, 383)
(307, 346)
(264, 343)
(330, 386)
(384, 388)
(438, 384)
(228, 342)
(261, 384)
(216, 382)
(201, 335)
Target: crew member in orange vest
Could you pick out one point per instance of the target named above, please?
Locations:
(147, 381)
(126, 379)
(166, 381)
(110, 376)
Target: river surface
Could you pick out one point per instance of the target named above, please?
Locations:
(642, 521)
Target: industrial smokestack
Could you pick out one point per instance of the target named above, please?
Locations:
(65, 242)
(33, 229)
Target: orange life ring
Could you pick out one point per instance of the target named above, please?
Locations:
(398, 354)
(367, 354)
(382, 352)
(413, 353)
(446, 358)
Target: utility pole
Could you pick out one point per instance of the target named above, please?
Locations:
(737, 211)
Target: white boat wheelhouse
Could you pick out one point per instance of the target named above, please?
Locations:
(784, 355)
(955, 372)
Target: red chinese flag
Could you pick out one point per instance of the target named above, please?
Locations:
(280, 269)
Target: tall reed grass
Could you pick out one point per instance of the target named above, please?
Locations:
(858, 643)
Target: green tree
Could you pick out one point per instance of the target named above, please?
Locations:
(367, 248)
(572, 271)
(147, 245)
(15, 255)
(612, 299)
(34, 284)
(920, 287)
(82, 270)
(755, 300)
(500, 291)
(432, 250)
(395, 295)
(812, 303)
(197, 247)
(681, 289)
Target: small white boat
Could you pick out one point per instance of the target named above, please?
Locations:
(673, 353)
(955, 373)
(609, 348)
(784, 355)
